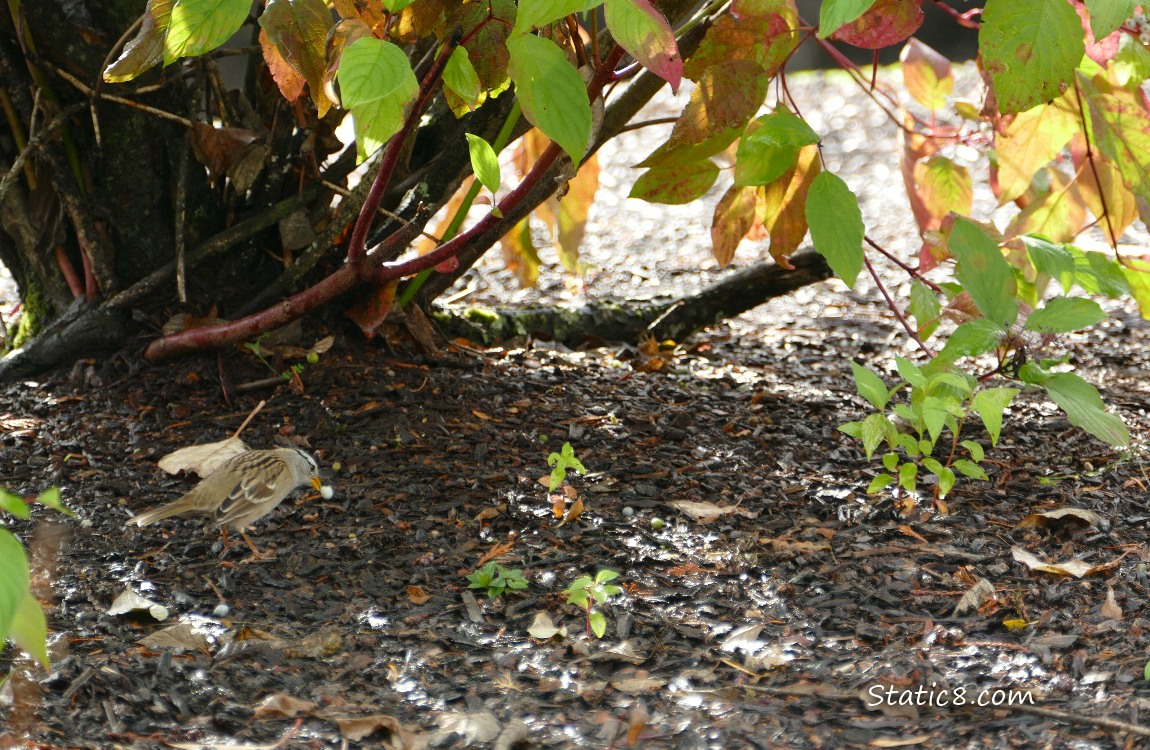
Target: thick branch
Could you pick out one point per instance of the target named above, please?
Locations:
(297, 306)
(627, 321)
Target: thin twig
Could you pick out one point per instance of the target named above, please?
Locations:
(87, 91)
(249, 418)
(33, 144)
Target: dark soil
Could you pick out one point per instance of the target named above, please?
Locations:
(773, 625)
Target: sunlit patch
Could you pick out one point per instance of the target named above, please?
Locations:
(373, 619)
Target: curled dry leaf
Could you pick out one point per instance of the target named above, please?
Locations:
(974, 597)
(515, 734)
(703, 512)
(1064, 516)
(355, 728)
(177, 638)
(1110, 608)
(638, 685)
(203, 459)
(543, 629)
(474, 728)
(1076, 568)
(282, 705)
(129, 602)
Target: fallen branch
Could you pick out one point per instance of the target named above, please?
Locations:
(665, 319)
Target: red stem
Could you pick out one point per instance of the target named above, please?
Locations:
(91, 288)
(962, 19)
(355, 248)
(69, 273)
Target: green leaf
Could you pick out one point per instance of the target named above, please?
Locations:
(770, 147)
(854, 429)
(394, 6)
(908, 443)
(538, 13)
(1098, 274)
(984, 273)
(970, 469)
(890, 461)
(907, 473)
(13, 580)
(1065, 314)
(598, 623)
(29, 630)
(1108, 15)
(644, 32)
(1137, 274)
(879, 483)
(836, 225)
(199, 26)
(14, 504)
(870, 386)
(675, 185)
(875, 429)
(484, 162)
(932, 465)
(950, 383)
(836, 13)
(51, 498)
(975, 449)
(606, 575)
(377, 84)
(1052, 259)
(925, 308)
(910, 372)
(551, 92)
(460, 77)
(971, 339)
(989, 404)
(1030, 48)
(934, 413)
(1084, 408)
(945, 482)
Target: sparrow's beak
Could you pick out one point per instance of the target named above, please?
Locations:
(316, 482)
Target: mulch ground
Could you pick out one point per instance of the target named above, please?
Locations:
(773, 625)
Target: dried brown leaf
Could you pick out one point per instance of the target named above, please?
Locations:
(282, 705)
(204, 458)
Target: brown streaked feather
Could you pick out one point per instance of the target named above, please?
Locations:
(243, 489)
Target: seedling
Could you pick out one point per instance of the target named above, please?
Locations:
(941, 398)
(560, 463)
(495, 579)
(588, 592)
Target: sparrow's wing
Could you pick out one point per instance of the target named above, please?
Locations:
(260, 488)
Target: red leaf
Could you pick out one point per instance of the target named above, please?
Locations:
(887, 22)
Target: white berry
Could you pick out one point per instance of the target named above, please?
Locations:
(326, 492)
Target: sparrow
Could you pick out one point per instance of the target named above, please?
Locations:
(243, 489)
